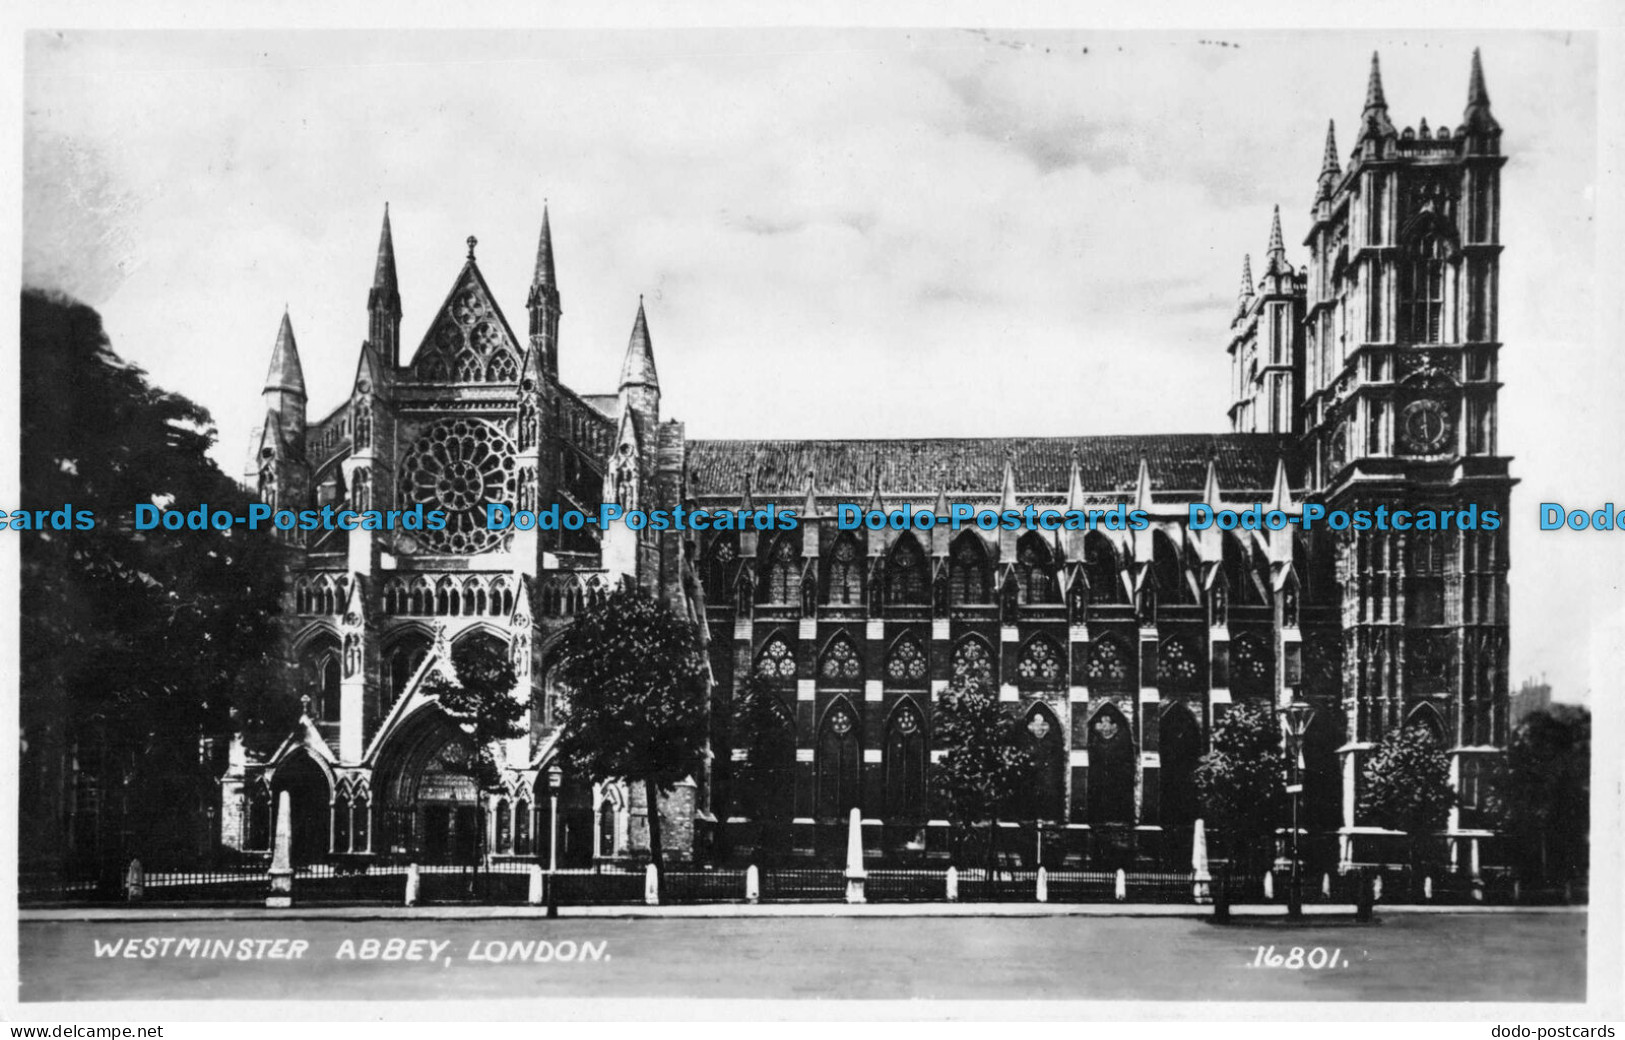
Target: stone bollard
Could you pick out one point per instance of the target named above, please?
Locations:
(953, 884)
(135, 882)
(281, 872)
(753, 884)
(1043, 885)
(1122, 885)
(855, 874)
(1269, 884)
(1427, 889)
(1376, 889)
(534, 897)
(412, 883)
(651, 885)
(1326, 885)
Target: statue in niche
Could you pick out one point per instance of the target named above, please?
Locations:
(939, 590)
(1289, 606)
(809, 593)
(1221, 603)
(352, 655)
(1077, 602)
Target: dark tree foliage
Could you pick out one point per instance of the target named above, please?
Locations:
(135, 645)
(1541, 792)
(985, 767)
(483, 702)
(1405, 786)
(764, 783)
(637, 711)
(1242, 784)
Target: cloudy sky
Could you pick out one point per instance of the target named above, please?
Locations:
(861, 233)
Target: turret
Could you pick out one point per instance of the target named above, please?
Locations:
(543, 304)
(640, 386)
(384, 301)
(1374, 118)
(1330, 171)
(284, 393)
(1476, 120)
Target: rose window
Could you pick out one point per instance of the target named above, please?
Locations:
(460, 466)
(972, 665)
(1040, 664)
(907, 663)
(776, 661)
(841, 662)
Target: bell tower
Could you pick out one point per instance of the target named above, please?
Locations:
(1400, 412)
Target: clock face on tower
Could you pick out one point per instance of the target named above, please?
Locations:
(1425, 426)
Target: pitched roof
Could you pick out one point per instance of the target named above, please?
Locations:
(913, 468)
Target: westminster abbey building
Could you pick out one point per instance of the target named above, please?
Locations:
(1364, 373)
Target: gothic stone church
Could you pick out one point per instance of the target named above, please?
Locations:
(1363, 376)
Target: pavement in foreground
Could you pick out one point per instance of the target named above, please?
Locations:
(1404, 957)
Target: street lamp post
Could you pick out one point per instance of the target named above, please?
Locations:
(1295, 722)
(555, 777)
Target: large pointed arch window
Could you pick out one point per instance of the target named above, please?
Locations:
(1035, 570)
(845, 572)
(1100, 566)
(972, 665)
(838, 756)
(908, 579)
(968, 570)
(905, 766)
(717, 568)
(1111, 768)
(1421, 302)
(1252, 665)
(405, 658)
(1044, 795)
(1180, 749)
(839, 664)
(1041, 665)
(1110, 665)
(906, 663)
(783, 574)
(776, 662)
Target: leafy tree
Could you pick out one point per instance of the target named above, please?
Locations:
(1241, 781)
(1541, 791)
(985, 767)
(482, 700)
(1406, 787)
(637, 711)
(135, 645)
(765, 781)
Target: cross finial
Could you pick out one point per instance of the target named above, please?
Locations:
(472, 242)
(306, 705)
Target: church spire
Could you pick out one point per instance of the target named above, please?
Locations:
(1374, 119)
(1277, 255)
(640, 386)
(1477, 118)
(544, 256)
(286, 376)
(384, 300)
(1330, 171)
(543, 304)
(1244, 296)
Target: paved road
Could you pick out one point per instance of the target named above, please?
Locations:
(1499, 957)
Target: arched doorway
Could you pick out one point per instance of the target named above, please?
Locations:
(310, 799)
(431, 805)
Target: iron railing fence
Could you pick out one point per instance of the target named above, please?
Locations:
(803, 886)
(702, 886)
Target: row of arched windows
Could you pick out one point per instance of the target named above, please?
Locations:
(472, 596)
(1109, 664)
(844, 573)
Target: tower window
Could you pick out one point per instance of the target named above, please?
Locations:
(1421, 311)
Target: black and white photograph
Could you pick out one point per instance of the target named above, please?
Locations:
(963, 521)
